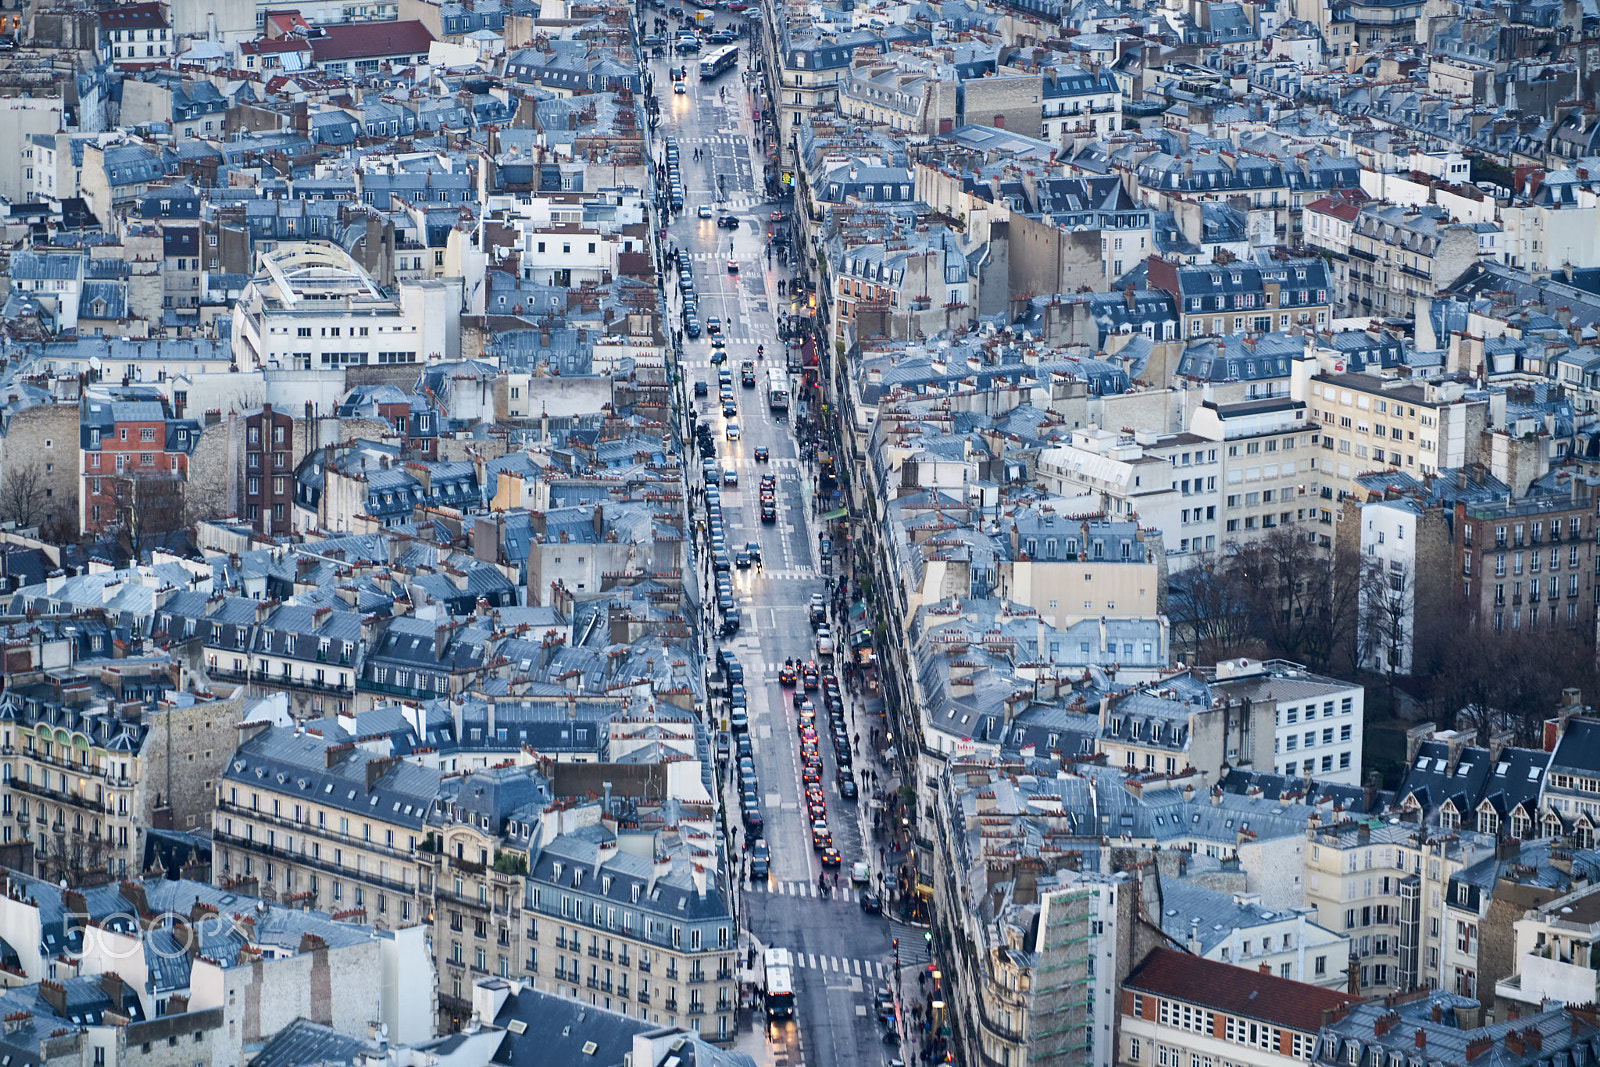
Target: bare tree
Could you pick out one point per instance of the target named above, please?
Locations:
(1209, 609)
(22, 493)
(1388, 623)
(150, 513)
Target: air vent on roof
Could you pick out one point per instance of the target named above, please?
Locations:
(517, 1026)
(589, 1048)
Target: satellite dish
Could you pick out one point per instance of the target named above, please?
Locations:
(94, 363)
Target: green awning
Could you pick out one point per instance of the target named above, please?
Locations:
(836, 513)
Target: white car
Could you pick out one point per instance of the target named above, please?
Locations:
(705, 211)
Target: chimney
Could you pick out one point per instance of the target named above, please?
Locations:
(55, 995)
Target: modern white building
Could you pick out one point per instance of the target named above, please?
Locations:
(1318, 720)
(312, 307)
(1386, 622)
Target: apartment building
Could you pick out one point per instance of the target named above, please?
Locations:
(269, 482)
(639, 922)
(1079, 102)
(1179, 1009)
(95, 755)
(1440, 1027)
(1038, 947)
(1557, 953)
(1401, 254)
(1255, 296)
(135, 35)
(1528, 563)
(128, 436)
(321, 824)
(1066, 569)
(1370, 423)
(1268, 466)
(1571, 798)
(1383, 884)
(1317, 721)
(1328, 224)
(1235, 929)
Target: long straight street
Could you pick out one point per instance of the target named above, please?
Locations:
(843, 955)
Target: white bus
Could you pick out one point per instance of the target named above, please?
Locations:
(777, 389)
(778, 984)
(719, 61)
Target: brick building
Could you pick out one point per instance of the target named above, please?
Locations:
(269, 472)
(127, 437)
(41, 437)
(1529, 563)
(1176, 1007)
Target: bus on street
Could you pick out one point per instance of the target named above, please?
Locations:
(777, 389)
(778, 983)
(719, 61)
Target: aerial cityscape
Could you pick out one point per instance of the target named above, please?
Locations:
(1173, 427)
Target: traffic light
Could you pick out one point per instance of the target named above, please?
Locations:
(897, 944)
(927, 935)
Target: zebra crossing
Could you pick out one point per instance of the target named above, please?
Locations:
(847, 893)
(844, 965)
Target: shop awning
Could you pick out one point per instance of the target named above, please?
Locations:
(836, 513)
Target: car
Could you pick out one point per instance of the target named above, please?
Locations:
(763, 455)
(679, 89)
(691, 326)
(738, 720)
(811, 773)
(651, 40)
(741, 559)
(808, 676)
(817, 808)
(760, 858)
(705, 211)
(808, 752)
(733, 266)
(831, 857)
(720, 560)
(717, 358)
(871, 903)
(713, 325)
(700, 387)
(821, 836)
(675, 12)
(752, 819)
(860, 873)
(729, 408)
(732, 431)
(725, 601)
(754, 548)
(728, 222)
(847, 787)
(777, 216)
(747, 378)
(719, 342)
(769, 513)
(730, 476)
(825, 545)
(736, 6)
(786, 675)
(769, 482)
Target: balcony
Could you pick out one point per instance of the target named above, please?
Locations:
(624, 960)
(644, 965)
(671, 1005)
(594, 951)
(695, 977)
(530, 965)
(696, 1008)
(593, 983)
(605, 987)
(605, 954)
(725, 975)
(561, 974)
(672, 974)
(724, 1006)
(644, 996)
(562, 943)
(305, 859)
(321, 833)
